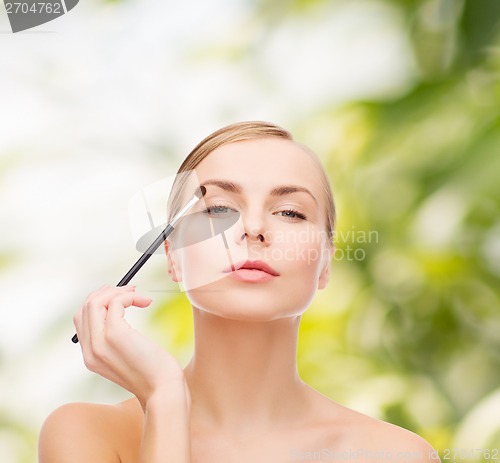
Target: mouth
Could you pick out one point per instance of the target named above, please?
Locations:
(252, 271)
(252, 265)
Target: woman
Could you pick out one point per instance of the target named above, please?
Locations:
(240, 398)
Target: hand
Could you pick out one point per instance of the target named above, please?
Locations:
(116, 351)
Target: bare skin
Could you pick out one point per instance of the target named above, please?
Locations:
(113, 434)
(240, 398)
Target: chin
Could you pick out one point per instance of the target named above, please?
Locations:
(251, 308)
(247, 316)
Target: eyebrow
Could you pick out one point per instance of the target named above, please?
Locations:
(281, 190)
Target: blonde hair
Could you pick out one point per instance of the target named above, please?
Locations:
(239, 132)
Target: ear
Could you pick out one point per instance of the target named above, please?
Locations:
(173, 266)
(324, 276)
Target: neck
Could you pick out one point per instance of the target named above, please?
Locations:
(243, 374)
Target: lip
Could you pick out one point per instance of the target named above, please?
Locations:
(252, 270)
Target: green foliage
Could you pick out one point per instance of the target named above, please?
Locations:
(423, 171)
(408, 328)
(21, 437)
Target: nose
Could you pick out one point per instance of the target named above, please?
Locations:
(254, 228)
(246, 235)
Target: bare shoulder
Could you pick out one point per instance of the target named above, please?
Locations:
(362, 438)
(397, 443)
(91, 432)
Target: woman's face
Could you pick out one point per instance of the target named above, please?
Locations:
(272, 187)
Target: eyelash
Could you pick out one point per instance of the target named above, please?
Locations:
(297, 214)
(209, 209)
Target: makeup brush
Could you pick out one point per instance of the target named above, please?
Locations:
(199, 193)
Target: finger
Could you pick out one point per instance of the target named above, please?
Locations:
(92, 319)
(99, 306)
(103, 294)
(83, 331)
(130, 298)
(116, 309)
(93, 314)
(96, 307)
(116, 325)
(100, 299)
(96, 319)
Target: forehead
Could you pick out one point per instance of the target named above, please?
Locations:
(262, 162)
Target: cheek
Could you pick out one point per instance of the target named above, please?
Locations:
(303, 266)
(299, 252)
(200, 264)
(203, 263)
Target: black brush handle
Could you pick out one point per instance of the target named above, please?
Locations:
(141, 261)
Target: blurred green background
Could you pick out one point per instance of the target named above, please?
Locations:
(408, 329)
